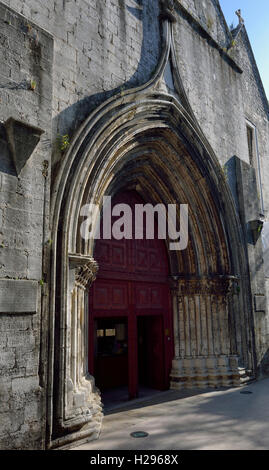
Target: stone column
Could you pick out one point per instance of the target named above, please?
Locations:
(81, 408)
(203, 358)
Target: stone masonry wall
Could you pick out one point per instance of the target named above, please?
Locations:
(256, 107)
(256, 110)
(214, 89)
(26, 54)
(99, 47)
(209, 14)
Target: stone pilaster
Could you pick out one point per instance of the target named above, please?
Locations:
(203, 358)
(82, 411)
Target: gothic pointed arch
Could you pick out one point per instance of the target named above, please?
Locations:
(149, 139)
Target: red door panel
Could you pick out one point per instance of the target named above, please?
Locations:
(156, 353)
(109, 296)
(132, 282)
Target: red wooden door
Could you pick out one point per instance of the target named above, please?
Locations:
(151, 370)
(132, 282)
(156, 353)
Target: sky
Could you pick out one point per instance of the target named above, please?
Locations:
(256, 16)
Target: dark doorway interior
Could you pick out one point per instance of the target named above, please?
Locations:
(150, 352)
(111, 353)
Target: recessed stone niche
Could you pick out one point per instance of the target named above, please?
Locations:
(22, 140)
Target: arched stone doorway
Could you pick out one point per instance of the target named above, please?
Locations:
(211, 339)
(130, 316)
(149, 140)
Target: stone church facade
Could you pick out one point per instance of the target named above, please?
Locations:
(156, 99)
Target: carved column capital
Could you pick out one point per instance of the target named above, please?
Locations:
(218, 286)
(85, 270)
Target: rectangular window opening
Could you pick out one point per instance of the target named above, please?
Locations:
(250, 145)
(254, 158)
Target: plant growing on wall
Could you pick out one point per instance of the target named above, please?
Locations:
(33, 85)
(209, 23)
(63, 141)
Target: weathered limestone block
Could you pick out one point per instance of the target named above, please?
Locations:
(18, 296)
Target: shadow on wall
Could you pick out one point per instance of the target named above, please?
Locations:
(265, 243)
(68, 121)
(263, 368)
(6, 163)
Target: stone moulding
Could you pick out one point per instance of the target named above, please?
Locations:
(205, 372)
(89, 168)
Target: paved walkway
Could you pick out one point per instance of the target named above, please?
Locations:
(217, 420)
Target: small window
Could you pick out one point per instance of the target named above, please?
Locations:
(250, 144)
(110, 332)
(254, 158)
(111, 338)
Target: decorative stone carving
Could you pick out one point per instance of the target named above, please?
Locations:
(86, 274)
(85, 269)
(219, 286)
